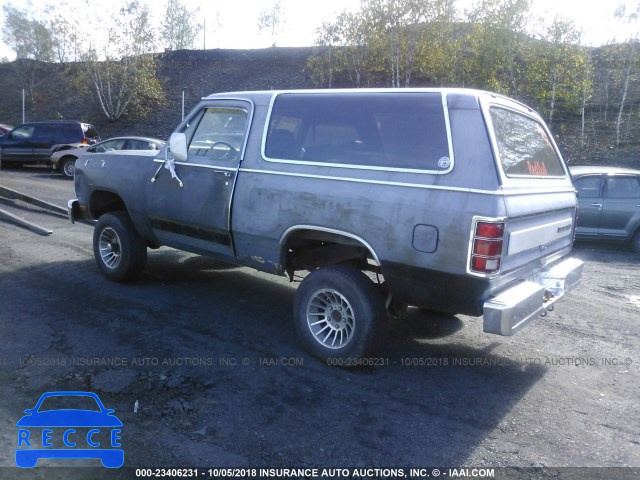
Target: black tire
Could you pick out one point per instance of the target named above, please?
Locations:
(349, 309)
(120, 251)
(68, 166)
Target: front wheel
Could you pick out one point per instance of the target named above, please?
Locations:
(338, 313)
(120, 251)
(68, 167)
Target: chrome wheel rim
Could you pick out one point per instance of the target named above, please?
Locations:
(330, 318)
(69, 168)
(109, 245)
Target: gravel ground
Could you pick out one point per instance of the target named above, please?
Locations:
(201, 363)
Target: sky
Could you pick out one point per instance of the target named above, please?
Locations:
(233, 24)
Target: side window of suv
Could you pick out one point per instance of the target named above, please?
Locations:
(23, 132)
(623, 187)
(46, 133)
(362, 130)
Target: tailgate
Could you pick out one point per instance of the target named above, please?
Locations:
(538, 227)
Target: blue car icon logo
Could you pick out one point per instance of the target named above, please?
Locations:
(69, 425)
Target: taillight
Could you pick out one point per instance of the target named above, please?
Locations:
(84, 141)
(486, 253)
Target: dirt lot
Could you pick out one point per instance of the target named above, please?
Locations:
(202, 365)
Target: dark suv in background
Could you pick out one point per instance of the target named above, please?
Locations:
(34, 142)
(608, 204)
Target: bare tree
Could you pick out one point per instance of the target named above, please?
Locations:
(628, 71)
(179, 28)
(271, 19)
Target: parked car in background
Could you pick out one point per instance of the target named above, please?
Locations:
(4, 129)
(608, 204)
(64, 160)
(35, 142)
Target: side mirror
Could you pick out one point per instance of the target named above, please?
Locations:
(178, 146)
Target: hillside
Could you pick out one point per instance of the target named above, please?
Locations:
(199, 73)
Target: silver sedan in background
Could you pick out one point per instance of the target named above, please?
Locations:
(64, 161)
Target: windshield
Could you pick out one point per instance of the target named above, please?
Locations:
(524, 147)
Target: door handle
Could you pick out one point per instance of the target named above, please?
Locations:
(155, 175)
(599, 205)
(222, 172)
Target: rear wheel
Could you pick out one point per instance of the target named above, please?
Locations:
(120, 251)
(338, 313)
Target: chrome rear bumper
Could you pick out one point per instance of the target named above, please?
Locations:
(515, 307)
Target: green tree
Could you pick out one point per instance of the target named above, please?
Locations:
(125, 79)
(32, 43)
(360, 53)
(324, 62)
(179, 27)
(556, 70)
(402, 30)
(27, 37)
(385, 42)
(496, 40)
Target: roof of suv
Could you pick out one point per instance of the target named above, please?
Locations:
(265, 96)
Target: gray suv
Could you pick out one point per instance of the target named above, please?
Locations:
(34, 142)
(609, 204)
(450, 200)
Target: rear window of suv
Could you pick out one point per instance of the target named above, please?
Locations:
(90, 131)
(524, 148)
(406, 131)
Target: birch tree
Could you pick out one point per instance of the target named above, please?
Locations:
(271, 18)
(179, 26)
(125, 79)
(630, 65)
